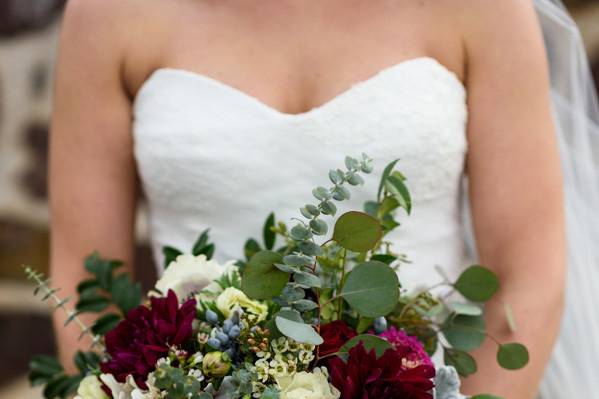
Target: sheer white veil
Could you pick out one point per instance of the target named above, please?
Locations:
(572, 372)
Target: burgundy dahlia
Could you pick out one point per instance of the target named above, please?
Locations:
(146, 335)
(366, 377)
(334, 334)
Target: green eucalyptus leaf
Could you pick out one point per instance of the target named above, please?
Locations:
(261, 278)
(341, 193)
(336, 176)
(319, 227)
(357, 231)
(297, 260)
(512, 356)
(477, 284)
(299, 331)
(310, 248)
(286, 268)
(371, 289)
(304, 305)
(328, 208)
(486, 396)
(292, 293)
(299, 232)
(351, 163)
(355, 180)
(269, 236)
(321, 193)
(465, 333)
(307, 279)
(370, 342)
(462, 361)
(466, 309)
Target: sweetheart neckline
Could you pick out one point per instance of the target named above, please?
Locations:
(291, 115)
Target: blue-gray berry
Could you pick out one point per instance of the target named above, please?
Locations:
(234, 332)
(222, 337)
(214, 343)
(380, 325)
(227, 325)
(211, 317)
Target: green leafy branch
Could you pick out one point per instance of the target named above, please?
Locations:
(43, 286)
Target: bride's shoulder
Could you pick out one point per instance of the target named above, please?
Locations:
(113, 19)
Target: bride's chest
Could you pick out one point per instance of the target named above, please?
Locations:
(195, 136)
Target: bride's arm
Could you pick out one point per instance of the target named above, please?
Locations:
(515, 188)
(92, 173)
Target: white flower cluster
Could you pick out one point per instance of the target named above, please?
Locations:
(285, 358)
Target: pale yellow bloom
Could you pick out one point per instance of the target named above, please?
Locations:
(232, 299)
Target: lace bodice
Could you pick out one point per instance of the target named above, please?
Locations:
(212, 156)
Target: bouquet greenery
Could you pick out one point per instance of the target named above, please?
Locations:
(320, 316)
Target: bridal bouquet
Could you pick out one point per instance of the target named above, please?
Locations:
(322, 315)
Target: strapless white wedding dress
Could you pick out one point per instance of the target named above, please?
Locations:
(211, 156)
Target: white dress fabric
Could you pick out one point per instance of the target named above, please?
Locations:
(212, 156)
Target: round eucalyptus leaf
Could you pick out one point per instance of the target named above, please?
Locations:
(371, 289)
(462, 361)
(477, 284)
(512, 356)
(304, 305)
(370, 342)
(328, 208)
(261, 278)
(341, 193)
(299, 331)
(299, 232)
(309, 248)
(297, 260)
(355, 180)
(357, 231)
(307, 279)
(467, 309)
(319, 227)
(465, 333)
(321, 193)
(336, 176)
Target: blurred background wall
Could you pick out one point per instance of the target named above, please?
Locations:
(28, 42)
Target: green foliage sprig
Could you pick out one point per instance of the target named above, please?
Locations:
(47, 370)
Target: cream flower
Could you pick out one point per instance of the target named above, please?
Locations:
(232, 299)
(189, 274)
(90, 388)
(307, 386)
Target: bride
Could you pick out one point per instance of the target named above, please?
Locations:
(226, 110)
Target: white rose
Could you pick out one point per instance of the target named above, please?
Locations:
(232, 299)
(189, 274)
(118, 390)
(90, 388)
(306, 385)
